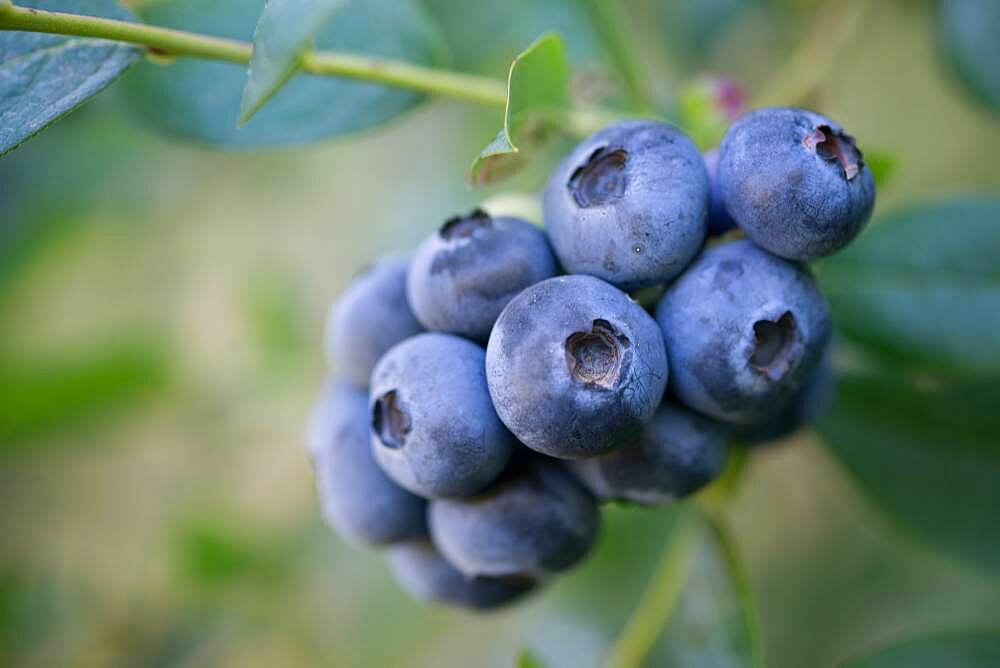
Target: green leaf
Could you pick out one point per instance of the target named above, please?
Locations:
(697, 609)
(969, 649)
(42, 396)
(285, 30)
(198, 100)
(45, 77)
(929, 457)
(537, 92)
(483, 37)
(527, 659)
(970, 31)
(715, 621)
(923, 286)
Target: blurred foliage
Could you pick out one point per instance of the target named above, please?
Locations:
(307, 108)
(970, 32)
(956, 650)
(232, 260)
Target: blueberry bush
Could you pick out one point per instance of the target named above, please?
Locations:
(557, 390)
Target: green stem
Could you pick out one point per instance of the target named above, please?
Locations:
(177, 43)
(660, 598)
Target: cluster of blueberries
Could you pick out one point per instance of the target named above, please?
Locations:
(501, 382)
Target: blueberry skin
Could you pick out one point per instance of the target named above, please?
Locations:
(356, 498)
(678, 453)
(463, 275)
(534, 521)
(805, 407)
(434, 430)
(369, 318)
(795, 183)
(744, 330)
(628, 205)
(575, 367)
(719, 220)
(424, 573)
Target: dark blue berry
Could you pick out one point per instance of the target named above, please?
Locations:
(678, 453)
(369, 318)
(534, 521)
(795, 182)
(744, 329)
(628, 205)
(575, 367)
(425, 574)
(719, 220)
(805, 407)
(356, 497)
(465, 273)
(434, 430)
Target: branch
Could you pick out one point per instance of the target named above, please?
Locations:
(181, 44)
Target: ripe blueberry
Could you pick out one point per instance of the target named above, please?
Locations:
(356, 497)
(434, 430)
(369, 318)
(744, 329)
(719, 220)
(535, 520)
(628, 205)
(463, 275)
(795, 182)
(425, 574)
(805, 407)
(677, 454)
(575, 367)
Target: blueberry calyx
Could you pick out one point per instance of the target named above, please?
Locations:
(772, 344)
(389, 421)
(601, 180)
(836, 146)
(463, 227)
(600, 357)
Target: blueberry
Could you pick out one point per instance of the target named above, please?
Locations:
(465, 273)
(356, 497)
(795, 182)
(719, 220)
(677, 454)
(575, 367)
(425, 574)
(369, 318)
(805, 407)
(628, 205)
(534, 521)
(434, 430)
(744, 329)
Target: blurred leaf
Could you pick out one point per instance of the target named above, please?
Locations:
(537, 91)
(285, 30)
(883, 165)
(52, 394)
(484, 36)
(527, 659)
(697, 609)
(44, 77)
(923, 286)
(35, 611)
(198, 100)
(715, 622)
(929, 457)
(211, 554)
(689, 28)
(274, 317)
(969, 649)
(970, 30)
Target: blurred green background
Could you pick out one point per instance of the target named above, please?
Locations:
(162, 307)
